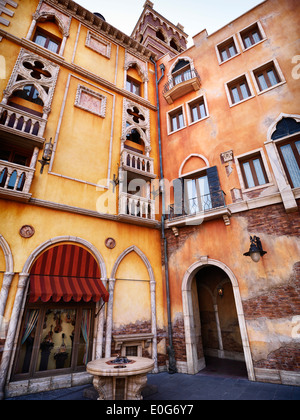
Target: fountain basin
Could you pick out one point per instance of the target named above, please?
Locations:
(121, 381)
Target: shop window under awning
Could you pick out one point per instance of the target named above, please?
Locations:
(66, 288)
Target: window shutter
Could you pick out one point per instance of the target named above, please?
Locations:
(217, 197)
(178, 185)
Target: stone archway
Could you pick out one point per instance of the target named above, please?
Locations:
(189, 320)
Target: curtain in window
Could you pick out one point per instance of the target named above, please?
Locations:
(204, 193)
(259, 172)
(30, 323)
(40, 40)
(85, 330)
(52, 46)
(272, 77)
(291, 163)
(262, 82)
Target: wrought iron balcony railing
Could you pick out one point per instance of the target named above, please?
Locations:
(198, 205)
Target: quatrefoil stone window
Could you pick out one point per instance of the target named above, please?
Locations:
(37, 70)
(135, 113)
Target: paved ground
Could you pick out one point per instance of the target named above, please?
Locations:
(166, 387)
(221, 380)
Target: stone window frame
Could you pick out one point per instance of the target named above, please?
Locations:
(280, 75)
(243, 157)
(188, 104)
(169, 123)
(225, 42)
(247, 28)
(236, 79)
(83, 89)
(97, 38)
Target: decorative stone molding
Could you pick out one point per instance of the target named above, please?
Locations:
(142, 126)
(90, 101)
(23, 74)
(46, 11)
(98, 44)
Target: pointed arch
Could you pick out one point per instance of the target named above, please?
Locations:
(143, 257)
(52, 15)
(9, 262)
(273, 126)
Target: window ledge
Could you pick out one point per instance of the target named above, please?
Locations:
(201, 119)
(176, 131)
(197, 219)
(228, 59)
(258, 187)
(241, 102)
(273, 87)
(254, 45)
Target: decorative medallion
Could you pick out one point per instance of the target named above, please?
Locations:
(110, 243)
(27, 231)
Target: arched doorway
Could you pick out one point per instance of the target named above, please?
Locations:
(191, 313)
(56, 333)
(219, 327)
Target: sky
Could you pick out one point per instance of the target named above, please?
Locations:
(194, 15)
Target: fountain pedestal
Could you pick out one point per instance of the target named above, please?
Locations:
(120, 381)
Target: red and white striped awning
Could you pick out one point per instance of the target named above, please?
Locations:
(66, 272)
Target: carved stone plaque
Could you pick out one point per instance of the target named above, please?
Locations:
(27, 231)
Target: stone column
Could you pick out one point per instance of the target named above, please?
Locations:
(100, 328)
(109, 319)
(11, 333)
(7, 279)
(153, 323)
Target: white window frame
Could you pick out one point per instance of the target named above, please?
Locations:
(252, 94)
(262, 32)
(224, 42)
(244, 156)
(188, 109)
(169, 125)
(279, 72)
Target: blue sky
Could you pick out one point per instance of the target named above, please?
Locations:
(194, 15)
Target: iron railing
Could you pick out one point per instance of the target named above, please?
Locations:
(197, 205)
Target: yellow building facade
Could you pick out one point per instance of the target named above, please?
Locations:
(99, 258)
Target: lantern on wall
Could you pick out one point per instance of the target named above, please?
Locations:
(47, 153)
(256, 250)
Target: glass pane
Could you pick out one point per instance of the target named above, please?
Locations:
(57, 338)
(202, 111)
(262, 82)
(181, 121)
(53, 46)
(256, 37)
(259, 172)
(195, 113)
(244, 90)
(205, 197)
(235, 94)
(193, 206)
(27, 339)
(174, 124)
(248, 173)
(84, 340)
(298, 146)
(224, 55)
(291, 164)
(187, 75)
(232, 51)
(40, 40)
(272, 77)
(247, 42)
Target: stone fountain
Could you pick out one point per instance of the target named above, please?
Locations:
(120, 378)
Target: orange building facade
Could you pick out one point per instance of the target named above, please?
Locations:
(135, 174)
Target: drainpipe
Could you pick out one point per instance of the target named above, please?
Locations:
(171, 352)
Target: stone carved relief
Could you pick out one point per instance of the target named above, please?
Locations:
(136, 117)
(98, 44)
(47, 12)
(90, 101)
(31, 69)
(141, 66)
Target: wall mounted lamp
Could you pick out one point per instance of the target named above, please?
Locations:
(256, 250)
(220, 291)
(47, 153)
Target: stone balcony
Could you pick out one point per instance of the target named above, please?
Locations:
(135, 206)
(137, 163)
(178, 86)
(15, 181)
(21, 126)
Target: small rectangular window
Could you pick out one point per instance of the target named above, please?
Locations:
(197, 110)
(267, 76)
(253, 171)
(176, 120)
(251, 36)
(239, 90)
(227, 49)
(47, 40)
(133, 86)
(289, 152)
